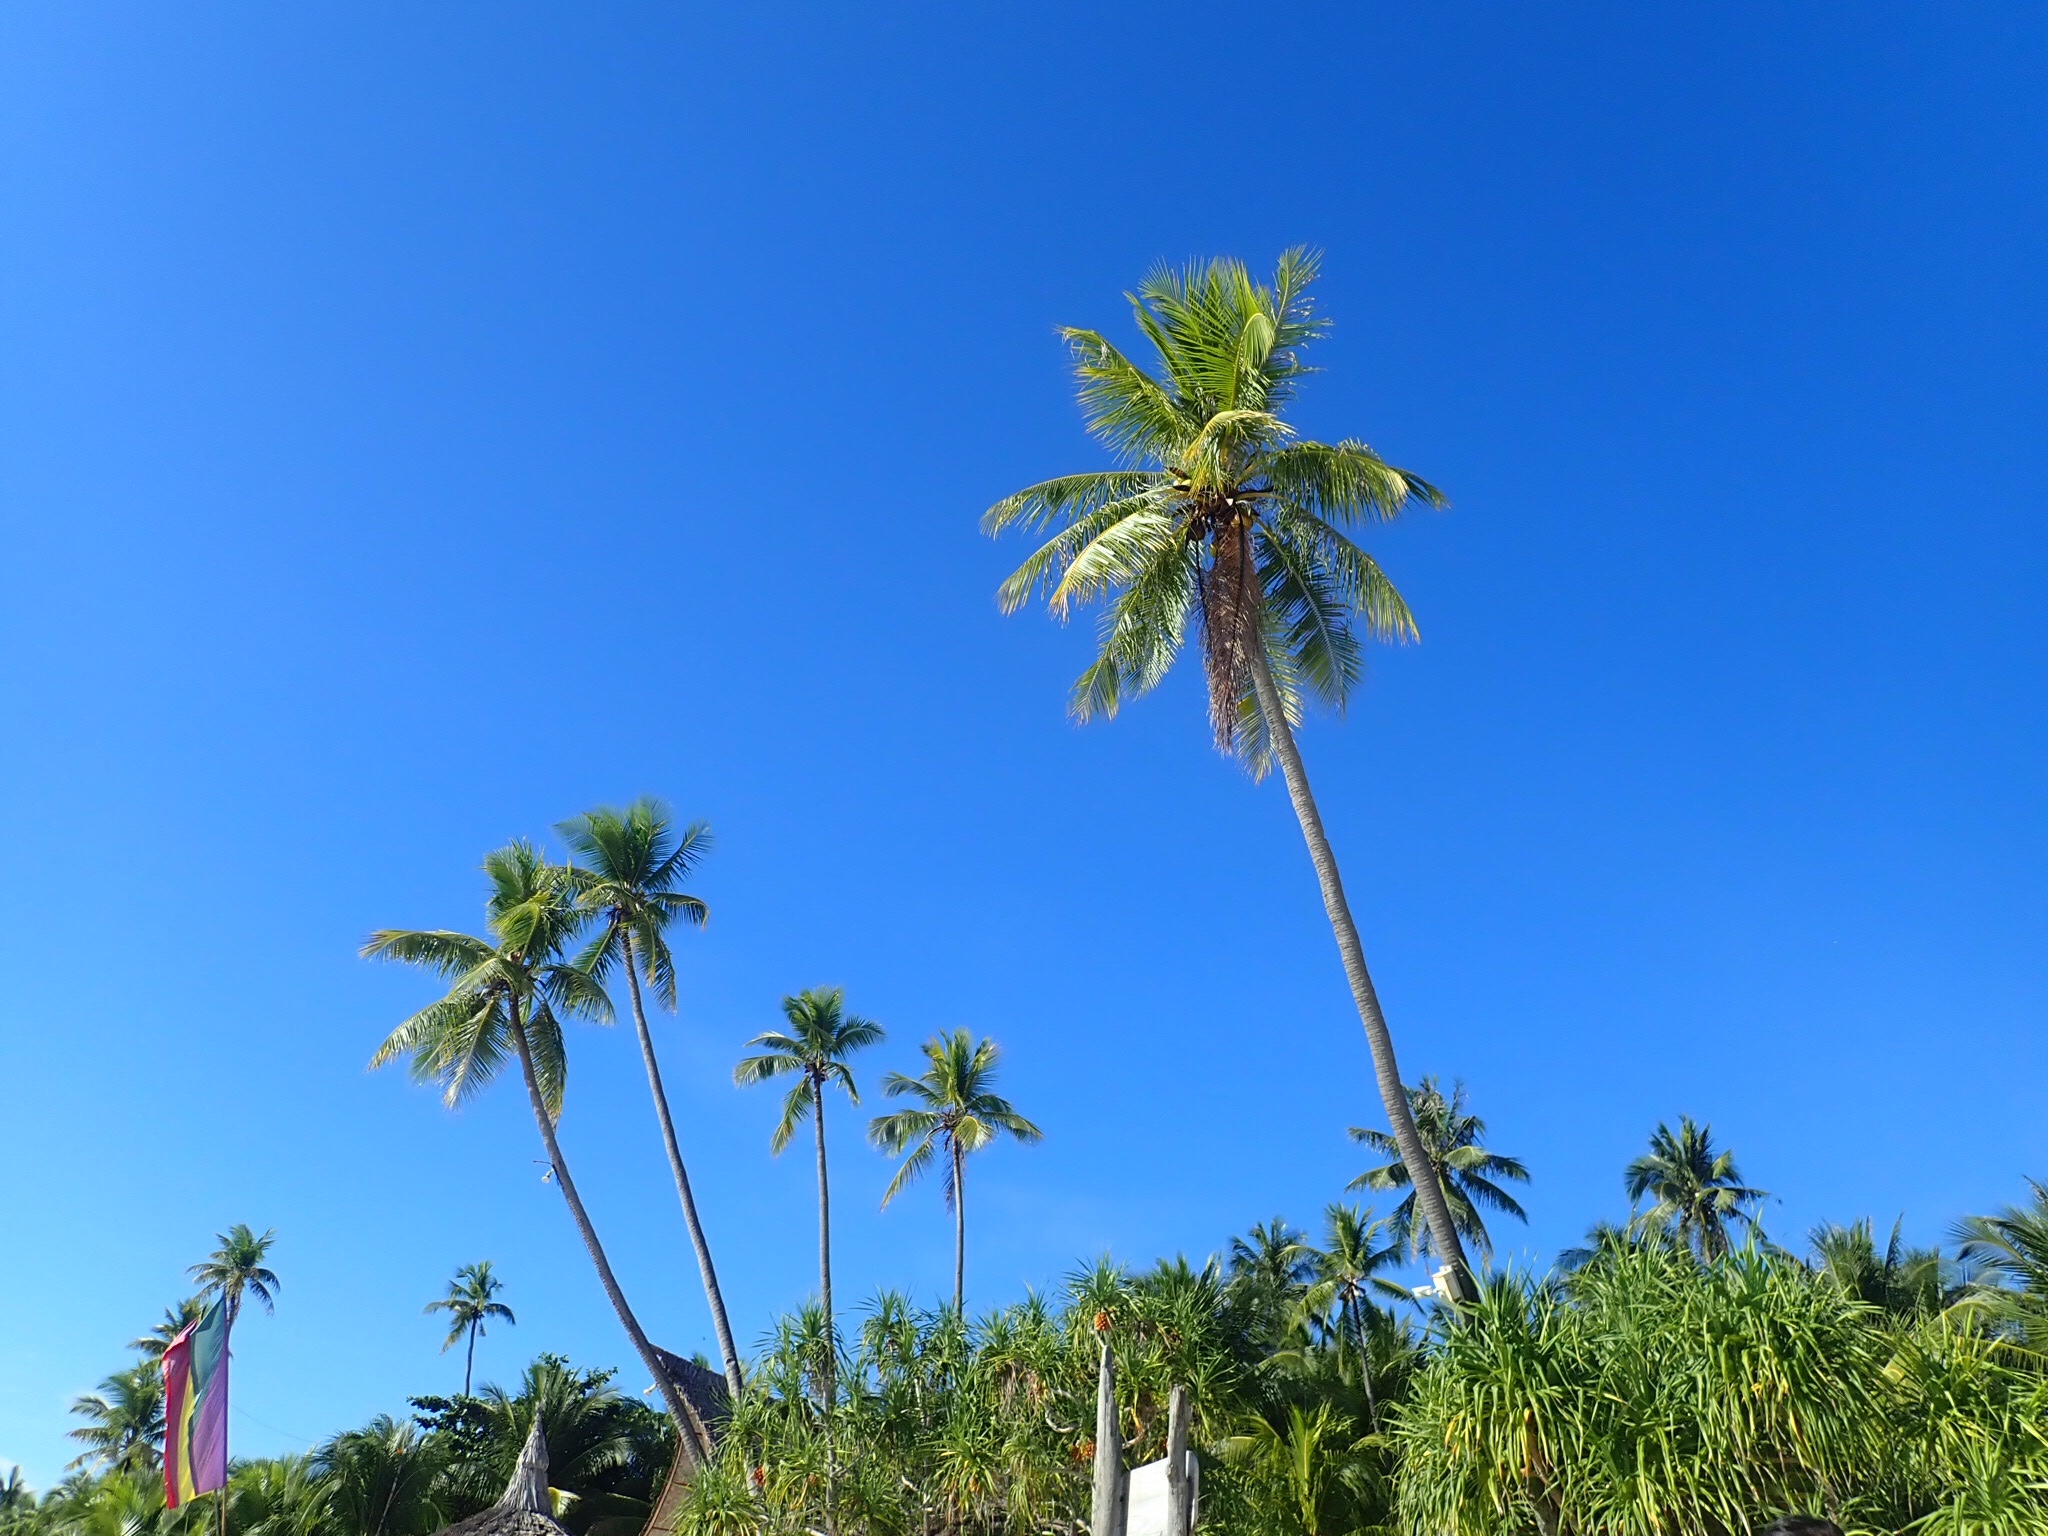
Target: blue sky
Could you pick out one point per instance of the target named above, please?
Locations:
(418, 425)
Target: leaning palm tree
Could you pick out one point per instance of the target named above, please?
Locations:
(815, 1049)
(1220, 516)
(1695, 1192)
(632, 863)
(124, 1421)
(958, 1112)
(471, 1302)
(237, 1266)
(1467, 1174)
(506, 998)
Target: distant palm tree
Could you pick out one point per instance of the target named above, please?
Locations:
(632, 863)
(1347, 1281)
(1466, 1171)
(470, 1303)
(959, 1112)
(124, 1421)
(1696, 1192)
(1273, 1254)
(15, 1494)
(815, 1049)
(237, 1266)
(382, 1480)
(2011, 1252)
(507, 995)
(151, 1345)
(1220, 517)
(1904, 1281)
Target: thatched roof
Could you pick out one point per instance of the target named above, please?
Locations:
(710, 1402)
(525, 1509)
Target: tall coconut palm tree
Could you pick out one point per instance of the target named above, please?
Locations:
(124, 1421)
(1466, 1172)
(1221, 516)
(471, 1302)
(1695, 1191)
(958, 1112)
(815, 1050)
(236, 1266)
(507, 996)
(632, 863)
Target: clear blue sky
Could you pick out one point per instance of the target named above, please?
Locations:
(420, 424)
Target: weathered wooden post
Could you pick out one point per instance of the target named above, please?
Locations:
(1109, 1449)
(1179, 1508)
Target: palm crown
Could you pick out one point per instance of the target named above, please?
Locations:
(237, 1266)
(815, 1047)
(1694, 1190)
(1221, 513)
(958, 1111)
(518, 976)
(471, 1302)
(1453, 1140)
(630, 864)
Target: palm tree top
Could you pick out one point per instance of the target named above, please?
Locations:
(956, 1103)
(1454, 1139)
(815, 1048)
(1692, 1187)
(471, 1300)
(629, 869)
(1220, 513)
(237, 1265)
(462, 1041)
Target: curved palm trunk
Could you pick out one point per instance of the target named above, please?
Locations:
(712, 1294)
(959, 1233)
(691, 1441)
(1428, 1193)
(469, 1360)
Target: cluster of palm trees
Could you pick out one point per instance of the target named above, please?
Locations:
(560, 936)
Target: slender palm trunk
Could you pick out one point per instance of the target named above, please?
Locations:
(959, 1233)
(1361, 1325)
(825, 1245)
(469, 1360)
(712, 1294)
(1428, 1193)
(831, 1360)
(692, 1441)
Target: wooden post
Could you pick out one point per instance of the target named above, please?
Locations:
(1109, 1450)
(1177, 1502)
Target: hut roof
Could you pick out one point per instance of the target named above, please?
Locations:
(525, 1509)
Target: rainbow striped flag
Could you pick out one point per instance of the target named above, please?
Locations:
(196, 1408)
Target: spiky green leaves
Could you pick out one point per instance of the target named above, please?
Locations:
(1221, 515)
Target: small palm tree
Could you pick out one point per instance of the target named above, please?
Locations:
(151, 1345)
(506, 999)
(470, 1303)
(958, 1112)
(632, 865)
(237, 1266)
(2010, 1251)
(1466, 1172)
(124, 1421)
(815, 1049)
(1696, 1192)
(1904, 1281)
(1219, 516)
(1347, 1281)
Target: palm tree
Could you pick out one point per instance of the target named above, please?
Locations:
(821, 1037)
(381, 1480)
(470, 1303)
(959, 1112)
(1466, 1173)
(1347, 1278)
(124, 1421)
(1697, 1192)
(151, 1345)
(1221, 516)
(1906, 1282)
(2011, 1251)
(237, 1266)
(632, 863)
(507, 995)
